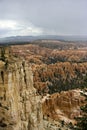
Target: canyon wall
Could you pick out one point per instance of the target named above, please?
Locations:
(20, 107)
(64, 106)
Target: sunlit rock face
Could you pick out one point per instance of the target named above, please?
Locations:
(64, 106)
(20, 107)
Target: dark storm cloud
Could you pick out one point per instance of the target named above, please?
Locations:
(45, 16)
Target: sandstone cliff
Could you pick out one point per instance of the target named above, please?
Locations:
(20, 107)
(64, 106)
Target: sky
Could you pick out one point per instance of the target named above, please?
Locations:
(43, 17)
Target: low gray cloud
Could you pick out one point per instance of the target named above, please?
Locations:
(35, 17)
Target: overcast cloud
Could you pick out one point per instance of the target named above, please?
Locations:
(36, 17)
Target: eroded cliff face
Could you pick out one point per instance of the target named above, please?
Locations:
(20, 107)
(64, 106)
